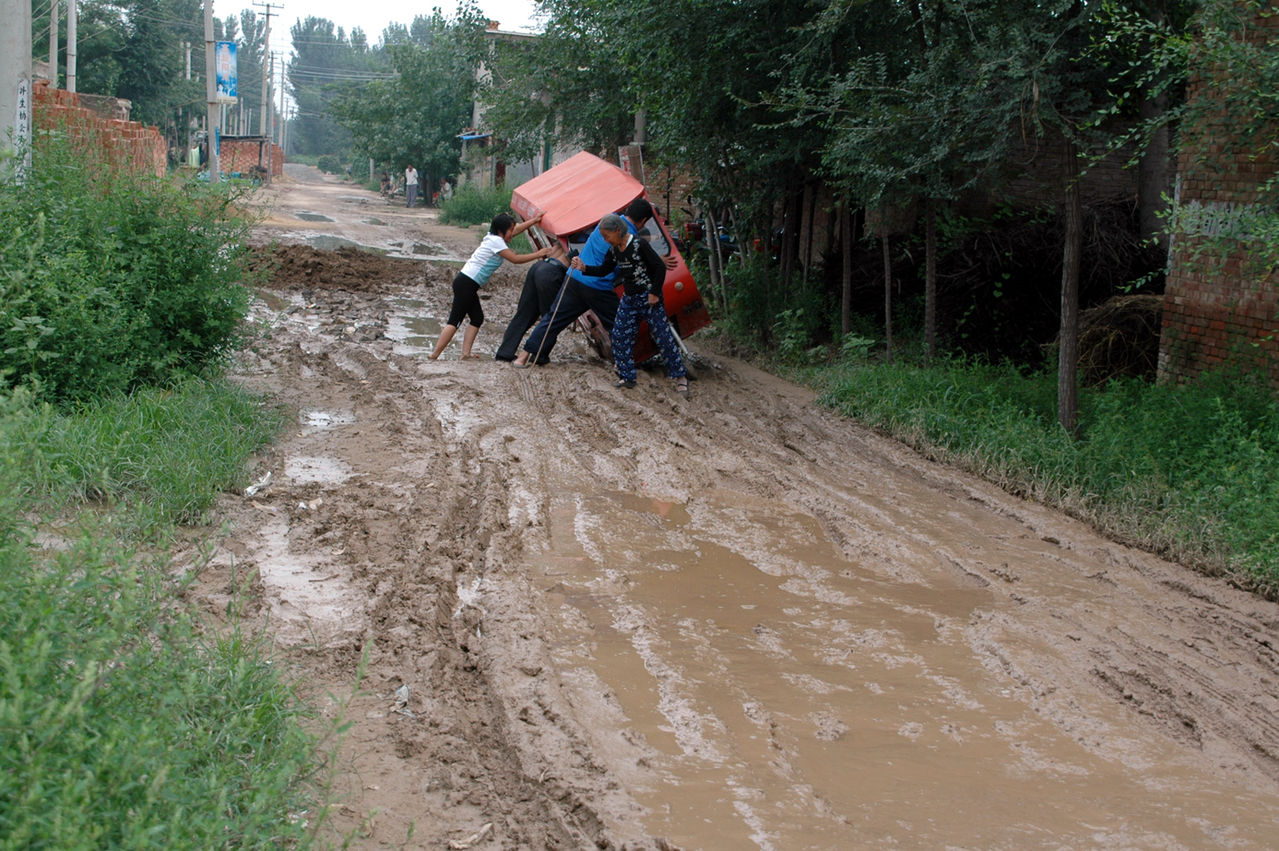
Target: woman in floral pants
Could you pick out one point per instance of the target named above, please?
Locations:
(641, 272)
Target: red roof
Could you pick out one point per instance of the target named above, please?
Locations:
(575, 194)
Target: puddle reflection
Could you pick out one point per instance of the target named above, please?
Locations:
(322, 420)
(410, 328)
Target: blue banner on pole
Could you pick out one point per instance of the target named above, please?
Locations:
(225, 74)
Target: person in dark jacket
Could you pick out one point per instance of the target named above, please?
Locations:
(640, 271)
(542, 284)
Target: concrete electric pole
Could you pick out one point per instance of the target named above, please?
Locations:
(72, 15)
(15, 80)
(211, 90)
(264, 124)
(53, 44)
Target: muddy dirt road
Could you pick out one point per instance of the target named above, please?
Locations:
(560, 615)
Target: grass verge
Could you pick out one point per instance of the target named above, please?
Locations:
(124, 722)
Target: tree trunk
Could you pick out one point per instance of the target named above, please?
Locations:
(1068, 335)
(930, 279)
(846, 292)
(1153, 170)
(788, 239)
(811, 194)
(1153, 176)
(713, 258)
(888, 298)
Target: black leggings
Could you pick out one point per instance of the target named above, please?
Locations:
(466, 302)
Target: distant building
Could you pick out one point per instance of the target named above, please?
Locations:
(482, 165)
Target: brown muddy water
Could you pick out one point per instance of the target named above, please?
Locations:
(786, 697)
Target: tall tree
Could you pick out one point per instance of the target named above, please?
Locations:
(415, 115)
(326, 63)
(132, 49)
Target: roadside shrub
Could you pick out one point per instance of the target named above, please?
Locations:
(110, 281)
(474, 206)
(329, 164)
(749, 301)
(791, 318)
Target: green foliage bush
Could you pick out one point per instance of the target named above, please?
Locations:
(790, 317)
(109, 281)
(330, 164)
(1190, 471)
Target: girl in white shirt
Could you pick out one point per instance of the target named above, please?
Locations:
(476, 273)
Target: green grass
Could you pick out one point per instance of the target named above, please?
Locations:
(1190, 472)
(125, 722)
(167, 452)
(473, 206)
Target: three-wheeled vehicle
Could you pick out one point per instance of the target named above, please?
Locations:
(572, 197)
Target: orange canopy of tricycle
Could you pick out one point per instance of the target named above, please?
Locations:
(575, 194)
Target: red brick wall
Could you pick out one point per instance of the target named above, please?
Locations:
(126, 144)
(241, 155)
(1219, 305)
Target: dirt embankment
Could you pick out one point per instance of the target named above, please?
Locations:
(561, 615)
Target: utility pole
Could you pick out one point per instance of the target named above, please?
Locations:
(71, 44)
(266, 66)
(279, 121)
(15, 79)
(53, 44)
(211, 91)
(268, 105)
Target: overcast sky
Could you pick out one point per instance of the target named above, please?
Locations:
(373, 16)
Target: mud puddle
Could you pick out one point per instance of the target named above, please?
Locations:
(787, 697)
(412, 326)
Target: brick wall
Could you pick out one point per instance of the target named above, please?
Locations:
(1220, 306)
(126, 144)
(241, 154)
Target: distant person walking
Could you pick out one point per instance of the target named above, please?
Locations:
(493, 249)
(410, 186)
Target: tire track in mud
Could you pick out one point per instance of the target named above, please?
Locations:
(411, 529)
(1131, 633)
(1159, 675)
(1063, 642)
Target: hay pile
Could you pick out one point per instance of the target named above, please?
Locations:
(1119, 338)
